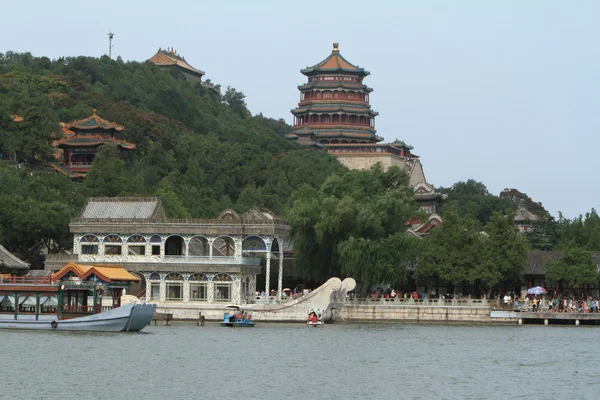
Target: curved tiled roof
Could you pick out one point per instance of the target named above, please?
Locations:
(170, 57)
(67, 172)
(9, 260)
(335, 85)
(107, 273)
(343, 133)
(91, 141)
(93, 122)
(335, 63)
(359, 109)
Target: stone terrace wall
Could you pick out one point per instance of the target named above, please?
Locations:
(418, 313)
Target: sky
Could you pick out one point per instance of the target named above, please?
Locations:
(503, 92)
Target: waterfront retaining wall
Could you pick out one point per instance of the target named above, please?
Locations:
(419, 313)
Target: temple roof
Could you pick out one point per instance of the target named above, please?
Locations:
(9, 260)
(347, 133)
(168, 57)
(335, 85)
(399, 144)
(523, 215)
(91, 141)
(93, 122)
(333, 108)
(335, 63)
(107, 273)
(65, 171)
(139, 208)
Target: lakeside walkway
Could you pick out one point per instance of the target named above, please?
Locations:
(548, 317)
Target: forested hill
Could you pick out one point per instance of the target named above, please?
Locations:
(198, 146)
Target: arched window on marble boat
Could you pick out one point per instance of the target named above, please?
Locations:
(198, 287)
(175, 246)
(253, 244)
(222, 284)
(155, 242)
(113, 245)
(136, 245)
(223, 246)
(199, 247)
(153, 286)
(174, 287)
(89, 244)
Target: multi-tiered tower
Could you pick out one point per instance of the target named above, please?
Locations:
(334, 104)
(334, 113)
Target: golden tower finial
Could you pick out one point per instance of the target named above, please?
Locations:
(336, 46)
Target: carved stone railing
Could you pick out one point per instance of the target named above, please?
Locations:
(428, 302)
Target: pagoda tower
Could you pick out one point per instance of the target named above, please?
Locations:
(76, 150)
(334, 114)
(334, 104)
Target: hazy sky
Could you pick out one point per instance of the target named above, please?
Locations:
(504, 92)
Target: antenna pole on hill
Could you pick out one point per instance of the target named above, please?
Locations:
(110, 38)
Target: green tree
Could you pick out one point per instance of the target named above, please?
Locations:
(108, 176)
(575, 267)
(350, 225)
(453, 252)
(472, 199)
(503, 254)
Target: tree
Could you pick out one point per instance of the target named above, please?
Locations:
(472, 199)
(575, 267)
(235, 100)
(452, 252)
(108, 176)
(504, 253)
(353, 225)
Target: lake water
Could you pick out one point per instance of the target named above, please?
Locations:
(286, 361)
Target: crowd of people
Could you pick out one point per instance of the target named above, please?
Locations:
(554, 303)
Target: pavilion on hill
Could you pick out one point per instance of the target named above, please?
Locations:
(168, 58)
(76, 150)
(334, 114)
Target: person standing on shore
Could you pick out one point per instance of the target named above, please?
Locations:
(506, 301)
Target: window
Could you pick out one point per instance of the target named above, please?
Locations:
(222, 292)
(154, 291)
(112, 250)
(222, 288)
(198, 291)
(89, 249)
(174, 291)
(136, 250)
(156, 250)
(174, 286)
(198, 287)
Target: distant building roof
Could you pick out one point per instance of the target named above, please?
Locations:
(123, 208)
(335, 63)
(524, 215)
(169, 57)
(93, 122)
(9, 260)
(539, 259)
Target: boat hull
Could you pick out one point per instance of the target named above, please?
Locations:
(128, 318)
(238, 324)
(319, 324)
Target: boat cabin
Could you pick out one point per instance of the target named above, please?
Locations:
(74, 291)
